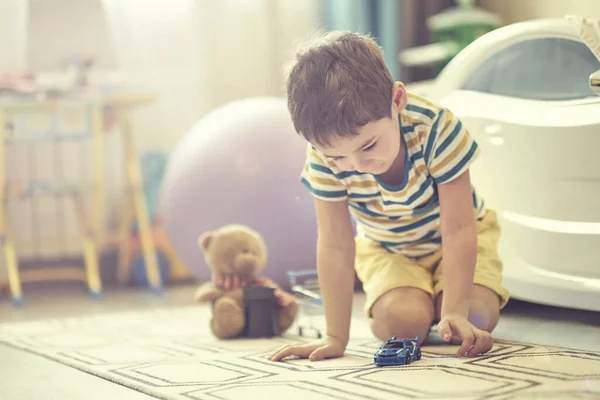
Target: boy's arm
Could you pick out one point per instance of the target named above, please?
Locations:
(459, 244)
(335, 265)
(450, 151)
(335, 258)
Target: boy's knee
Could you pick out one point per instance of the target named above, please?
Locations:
(484, 310)
(403, 315)
(401, 326)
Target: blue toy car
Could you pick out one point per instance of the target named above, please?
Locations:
(398, 351)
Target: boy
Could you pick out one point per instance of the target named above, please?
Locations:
(425, 246)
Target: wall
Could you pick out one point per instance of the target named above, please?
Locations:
(194, 55)
(60, 28)
(521, 10)
(13, 34)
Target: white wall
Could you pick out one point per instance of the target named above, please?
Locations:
(13, 40)
(193, 54)
(60, 28)
(521, 10)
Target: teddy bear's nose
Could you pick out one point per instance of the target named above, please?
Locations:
(245, 262)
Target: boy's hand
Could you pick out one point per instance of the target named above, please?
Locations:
(326, 347)
(458, 329)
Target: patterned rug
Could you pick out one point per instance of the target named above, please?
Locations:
(169, 354)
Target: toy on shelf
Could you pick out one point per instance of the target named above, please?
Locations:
(305, 285)
(451, 31)
(241, 251)
(398, 352)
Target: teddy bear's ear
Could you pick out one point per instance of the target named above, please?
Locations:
(204, 240)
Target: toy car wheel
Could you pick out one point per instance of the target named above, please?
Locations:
(418, 354)
(408, 358)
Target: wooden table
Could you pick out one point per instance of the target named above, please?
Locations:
(103, 112)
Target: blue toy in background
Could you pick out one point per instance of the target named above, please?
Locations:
(153, 166)
(398, 352)
(138, 269)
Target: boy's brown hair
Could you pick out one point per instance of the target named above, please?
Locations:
(335, 84)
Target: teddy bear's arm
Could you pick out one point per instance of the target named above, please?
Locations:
(207, 292)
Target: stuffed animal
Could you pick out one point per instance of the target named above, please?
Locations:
(241, 251)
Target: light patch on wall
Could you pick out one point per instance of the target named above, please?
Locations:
(55, 34)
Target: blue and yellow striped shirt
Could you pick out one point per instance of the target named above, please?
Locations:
(404, 218)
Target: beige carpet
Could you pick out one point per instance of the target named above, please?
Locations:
(170, 354)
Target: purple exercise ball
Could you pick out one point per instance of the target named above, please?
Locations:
(241, 164)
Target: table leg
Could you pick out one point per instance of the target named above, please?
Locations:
(10, 253)
(90, 254)
(89, 248)
(93, 231)
(13, 271)
(125, 218)
(141, 209)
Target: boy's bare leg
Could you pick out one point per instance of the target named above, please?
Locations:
(402, 312)
(484, 308)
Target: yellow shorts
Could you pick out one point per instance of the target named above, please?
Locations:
(380, 270)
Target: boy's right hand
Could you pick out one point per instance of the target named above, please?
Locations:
(326, 347)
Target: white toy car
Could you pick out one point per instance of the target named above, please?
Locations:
(524, 91)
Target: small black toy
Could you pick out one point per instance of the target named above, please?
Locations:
(260, 309)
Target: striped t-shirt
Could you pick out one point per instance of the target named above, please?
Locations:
(404, 218)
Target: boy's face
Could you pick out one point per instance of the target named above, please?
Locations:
(377, 145)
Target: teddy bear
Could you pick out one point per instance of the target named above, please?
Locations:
(241, 251)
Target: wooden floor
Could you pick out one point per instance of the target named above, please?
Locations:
(26, 376)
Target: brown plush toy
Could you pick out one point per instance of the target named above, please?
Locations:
(239, 250)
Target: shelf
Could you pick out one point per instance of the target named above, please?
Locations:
(40, 188)
(73, 273)
(111, 241)
(47, 136)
